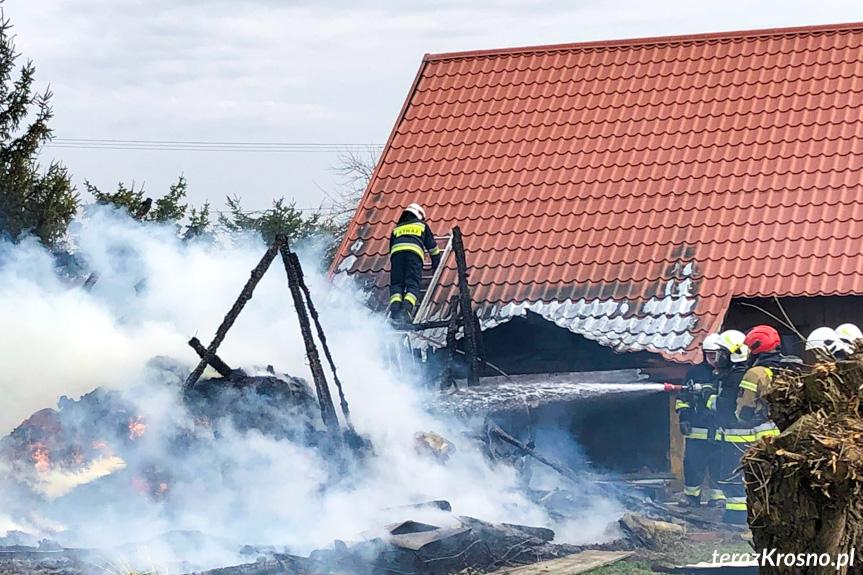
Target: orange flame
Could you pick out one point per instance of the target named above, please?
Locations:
(137, 427)
(41, 460)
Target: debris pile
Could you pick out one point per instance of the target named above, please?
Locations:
(466, 543)
(805, 486)
(101, 434)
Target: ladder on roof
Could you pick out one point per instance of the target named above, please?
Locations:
(464, 317)
(431, 285)
(399, 349)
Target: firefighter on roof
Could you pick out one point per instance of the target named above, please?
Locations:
(698, 425)
(410, 239)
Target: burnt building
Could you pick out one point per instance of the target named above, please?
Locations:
(621, 200)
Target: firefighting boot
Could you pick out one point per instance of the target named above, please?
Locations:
(690, 501)
(715, 497)
(395, 312)
(408, 308)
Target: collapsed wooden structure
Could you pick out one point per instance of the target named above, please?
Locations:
(462, 316)
(305, 307)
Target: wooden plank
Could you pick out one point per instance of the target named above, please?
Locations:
(571, 565)
(677, 443)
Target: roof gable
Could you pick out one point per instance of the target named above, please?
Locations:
(628, 190)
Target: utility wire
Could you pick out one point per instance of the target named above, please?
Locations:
(200, 146)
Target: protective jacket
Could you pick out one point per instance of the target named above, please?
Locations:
(414, 236)
(409, 241)
(692, 407)
(725, 402)
(751, 408)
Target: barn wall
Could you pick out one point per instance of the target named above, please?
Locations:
(533, 344)
(623, 434)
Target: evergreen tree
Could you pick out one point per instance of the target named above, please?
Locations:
(282, 218)
(31, 201)
(168, 208)
(199, 223)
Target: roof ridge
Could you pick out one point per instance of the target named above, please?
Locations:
(650, 41)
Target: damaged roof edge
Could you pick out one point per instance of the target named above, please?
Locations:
(671, 336)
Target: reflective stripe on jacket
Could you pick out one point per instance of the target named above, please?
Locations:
(750, 434)
(413, 235)
(752, 388)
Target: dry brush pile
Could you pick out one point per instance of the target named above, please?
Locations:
(805, 486)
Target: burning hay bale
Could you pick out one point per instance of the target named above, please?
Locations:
(102, 434)
(805, 486)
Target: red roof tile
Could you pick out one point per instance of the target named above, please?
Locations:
(639, 184)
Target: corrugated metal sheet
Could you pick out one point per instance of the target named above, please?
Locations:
(628, 190)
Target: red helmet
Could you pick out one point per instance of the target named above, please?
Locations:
(761, 339)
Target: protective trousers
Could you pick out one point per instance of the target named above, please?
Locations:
(406, 270)
(733, 484)
(703, 458)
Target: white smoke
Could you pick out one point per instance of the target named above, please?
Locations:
(155, 292)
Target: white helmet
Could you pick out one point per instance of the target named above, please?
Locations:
(826, 339)
(711, 343)
(849, 333)
(416, 210)
(732, 341)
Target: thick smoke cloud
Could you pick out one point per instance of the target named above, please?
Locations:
(153, 293)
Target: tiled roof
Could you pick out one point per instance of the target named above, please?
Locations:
(628, 190)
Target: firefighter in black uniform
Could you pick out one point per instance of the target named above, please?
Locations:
(698, 425)
(733, 362)
(409, 241)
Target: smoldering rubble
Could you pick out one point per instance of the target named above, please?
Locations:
(254, 470)
(52, 456)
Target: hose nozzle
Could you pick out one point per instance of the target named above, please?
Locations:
(671, 388)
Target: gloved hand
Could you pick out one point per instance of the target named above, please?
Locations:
(685, 428)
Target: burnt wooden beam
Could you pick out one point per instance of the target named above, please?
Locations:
(295, 261)
(470, 325)
(143, 209)
(211, 358)
(480, 344)
(493, 429)
(91, 281)
(245, 295)
(447, 380)
(328, 410)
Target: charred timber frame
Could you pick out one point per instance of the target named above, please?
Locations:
(328, 410)
(143, 209)
(471, 325)
(447, 380)
(295, 261)
(238, 306)
(214, 360)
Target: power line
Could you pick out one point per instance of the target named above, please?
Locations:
(201, 146)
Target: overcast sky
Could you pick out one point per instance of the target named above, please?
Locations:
(298, 71)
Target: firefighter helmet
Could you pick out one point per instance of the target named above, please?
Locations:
(849, 333)
(711, 343)
(826, 339)
(416, 210)
(733, 342)
(761, 339)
